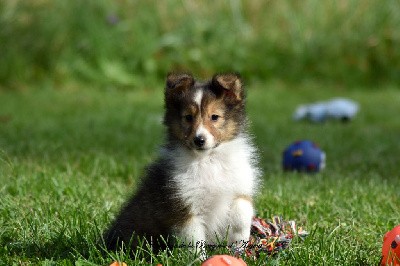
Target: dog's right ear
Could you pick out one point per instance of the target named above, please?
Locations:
(229, 85)
(179, 81)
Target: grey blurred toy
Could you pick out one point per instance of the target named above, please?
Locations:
(338, 108)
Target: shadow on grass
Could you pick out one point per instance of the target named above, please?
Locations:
(58, 247)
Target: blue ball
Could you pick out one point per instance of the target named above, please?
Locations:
(303, 156)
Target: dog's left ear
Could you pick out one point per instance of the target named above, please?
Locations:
(179, 81)
(228, 85)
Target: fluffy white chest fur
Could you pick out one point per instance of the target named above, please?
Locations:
(217, 185)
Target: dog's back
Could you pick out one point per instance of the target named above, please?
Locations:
(148, 215)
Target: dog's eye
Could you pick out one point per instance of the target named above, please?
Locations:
(214, 117)
(189, 118)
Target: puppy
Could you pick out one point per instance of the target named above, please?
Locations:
(200, 189)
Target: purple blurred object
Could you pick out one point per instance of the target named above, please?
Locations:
(112, 19)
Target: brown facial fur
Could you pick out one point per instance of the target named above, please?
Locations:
(223, 96)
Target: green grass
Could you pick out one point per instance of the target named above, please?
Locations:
(70, 156)
(125, 43)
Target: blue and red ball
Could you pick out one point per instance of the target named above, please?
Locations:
(303, 156)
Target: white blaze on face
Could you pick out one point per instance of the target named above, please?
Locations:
(201, 130)
(198, 96)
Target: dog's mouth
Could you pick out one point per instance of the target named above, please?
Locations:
(203, 149)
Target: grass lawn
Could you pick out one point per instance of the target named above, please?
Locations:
(69, 158)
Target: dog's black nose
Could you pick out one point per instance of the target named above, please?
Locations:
(199, 141)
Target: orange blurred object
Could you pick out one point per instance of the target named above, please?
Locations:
(391, 247)
(223, 260)
(116, 263)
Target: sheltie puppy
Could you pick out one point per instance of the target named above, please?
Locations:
(200, 189)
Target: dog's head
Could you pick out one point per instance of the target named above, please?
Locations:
(202, 115)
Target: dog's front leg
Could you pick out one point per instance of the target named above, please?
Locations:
(192, 233)
(241, 215)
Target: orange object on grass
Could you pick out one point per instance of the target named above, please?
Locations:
(391, 247)
(223, 260)
(116, 263)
